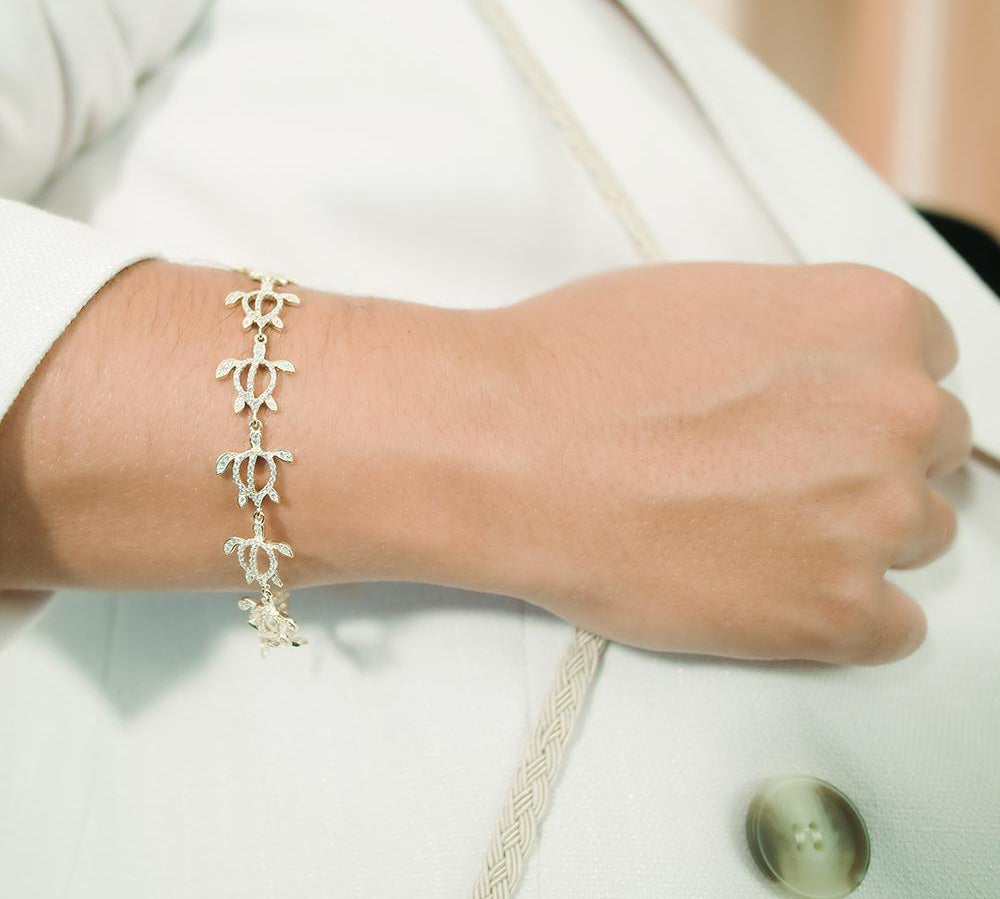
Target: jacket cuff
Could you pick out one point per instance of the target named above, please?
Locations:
(51, 267)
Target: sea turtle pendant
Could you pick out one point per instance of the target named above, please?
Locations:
(248, 548)
(269, 615)
(246, 484)
(245, 373)
(253, 301)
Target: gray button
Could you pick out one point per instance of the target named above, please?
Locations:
(807, 836)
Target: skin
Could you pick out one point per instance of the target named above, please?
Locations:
(711, 458)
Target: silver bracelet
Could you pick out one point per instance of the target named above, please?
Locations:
(262, 308)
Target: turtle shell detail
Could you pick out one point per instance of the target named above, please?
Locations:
(246, 484)
(245, 375)
(248, 550)
(263, 306)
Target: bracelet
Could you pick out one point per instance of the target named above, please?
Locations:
(261, 307)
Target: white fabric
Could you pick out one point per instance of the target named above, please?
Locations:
(147, 748)
(69, 71)
(52, 266)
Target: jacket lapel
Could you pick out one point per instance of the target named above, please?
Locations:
(830, 205)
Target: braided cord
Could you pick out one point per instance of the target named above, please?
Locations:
(528, 797)
(533, 779)
(598, 168)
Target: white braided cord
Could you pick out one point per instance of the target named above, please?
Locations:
(529, 793)
(608, 184)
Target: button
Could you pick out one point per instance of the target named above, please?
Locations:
(808, 837)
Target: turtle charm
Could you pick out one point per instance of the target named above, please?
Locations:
(246, 485)
(269, 615)
(245, 373)
(248, 548)
(253, 301)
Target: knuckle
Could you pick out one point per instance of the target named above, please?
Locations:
(916, 407)
(845, 605)
(858, 629)
(894, 295)
(949, 524)
(873, 643)
(879, 629)
(881, 289)
(882, 641)
(900, 511)
(861, 637)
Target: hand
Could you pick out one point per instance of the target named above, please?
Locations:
(724, 459)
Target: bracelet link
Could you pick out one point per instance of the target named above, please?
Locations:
(262, 307)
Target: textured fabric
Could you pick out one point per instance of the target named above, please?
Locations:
(147, 744)
(52, 267)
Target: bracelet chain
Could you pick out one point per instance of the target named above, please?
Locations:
(262, 307)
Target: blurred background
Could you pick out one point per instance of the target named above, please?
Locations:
(914, 87)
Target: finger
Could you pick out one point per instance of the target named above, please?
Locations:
(895, 628)
(934, 536)
(952, 443)
(937, 338)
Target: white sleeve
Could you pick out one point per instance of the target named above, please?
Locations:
(51, 267)
(69, 70)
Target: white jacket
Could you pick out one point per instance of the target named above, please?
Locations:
(145, 750)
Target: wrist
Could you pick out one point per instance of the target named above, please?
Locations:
(393, 418)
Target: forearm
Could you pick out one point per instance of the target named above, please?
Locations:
(112, 444)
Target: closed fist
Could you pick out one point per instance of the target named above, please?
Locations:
(725, 458)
